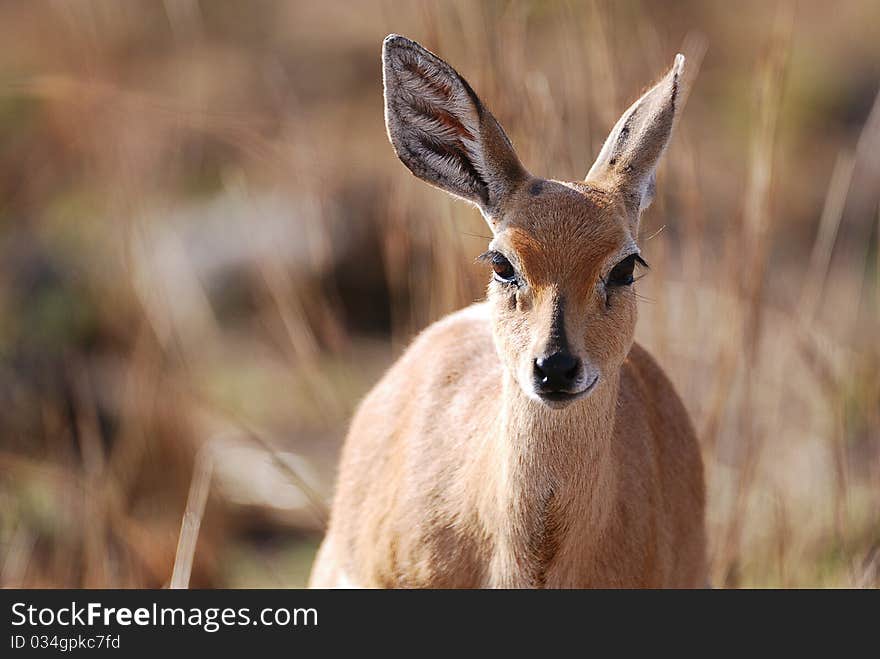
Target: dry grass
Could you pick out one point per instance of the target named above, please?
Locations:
(206, 236)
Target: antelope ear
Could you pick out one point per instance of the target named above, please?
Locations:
(628, 159)
(442, 132)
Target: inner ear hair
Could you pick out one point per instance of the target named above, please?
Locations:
(441, 130)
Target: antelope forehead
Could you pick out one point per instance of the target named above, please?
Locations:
(549, 258)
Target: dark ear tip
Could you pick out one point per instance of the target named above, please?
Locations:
(677, 64)
(675, 75)
(677, 68)
(393, 41)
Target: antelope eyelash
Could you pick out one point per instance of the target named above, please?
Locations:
(637, 258)
(486, 257)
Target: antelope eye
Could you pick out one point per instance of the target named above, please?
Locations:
(622, 273)
(504, 271)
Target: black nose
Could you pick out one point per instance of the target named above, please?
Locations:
(557, 372)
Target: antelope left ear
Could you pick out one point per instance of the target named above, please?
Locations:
(628, 159)
(442, 131)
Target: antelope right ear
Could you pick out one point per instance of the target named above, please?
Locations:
(628, 159)
(442, 132)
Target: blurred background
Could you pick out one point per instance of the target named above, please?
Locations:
(210, 253)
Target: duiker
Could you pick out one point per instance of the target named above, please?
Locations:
(526, 441)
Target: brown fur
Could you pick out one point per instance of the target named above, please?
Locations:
(455, 473)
